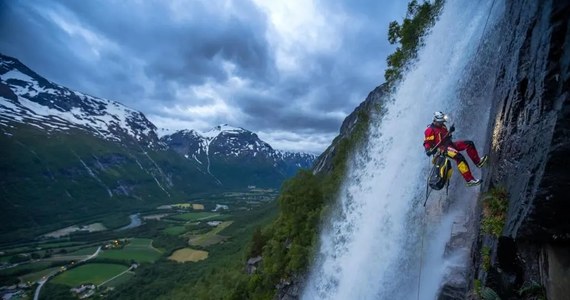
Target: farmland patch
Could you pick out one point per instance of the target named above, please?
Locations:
(195, 216)
(75, 228)
(198, 206)
(94, 273)
(188, 254)
(211, 237)
(175, 230)
(139, 250)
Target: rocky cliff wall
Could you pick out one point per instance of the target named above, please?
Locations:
(370, 105)
(530, 154)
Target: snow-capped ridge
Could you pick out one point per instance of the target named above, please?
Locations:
(228, 143)
(26, 97)
(220, 129)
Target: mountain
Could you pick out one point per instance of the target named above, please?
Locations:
(71, 157)
(31, 99)
(91, 160)
(226, 150)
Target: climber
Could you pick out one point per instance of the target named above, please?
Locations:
(438, 138)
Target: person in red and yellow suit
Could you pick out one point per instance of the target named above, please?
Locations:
(437, 137)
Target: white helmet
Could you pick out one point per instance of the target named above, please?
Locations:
(438, 116)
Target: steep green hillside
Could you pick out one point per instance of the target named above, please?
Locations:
(55, 180)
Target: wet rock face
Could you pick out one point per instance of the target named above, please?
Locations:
(531, 146)
(548, 220)
(449, 292)
(531, 129)
(509, 266)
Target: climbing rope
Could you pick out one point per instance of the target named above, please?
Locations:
(428, 190)
(485, 27)
(422, 252)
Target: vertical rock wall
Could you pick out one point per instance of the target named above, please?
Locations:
(531, 152)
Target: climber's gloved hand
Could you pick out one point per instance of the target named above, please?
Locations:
(452, 128)
(430, 152)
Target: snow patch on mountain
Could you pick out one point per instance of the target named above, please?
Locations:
(222, 129)
(229, 142)
(26, 97)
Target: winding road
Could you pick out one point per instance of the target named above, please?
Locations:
(49, 276)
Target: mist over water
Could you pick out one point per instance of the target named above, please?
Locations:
(372, 246)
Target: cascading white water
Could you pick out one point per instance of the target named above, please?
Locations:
(371, 247)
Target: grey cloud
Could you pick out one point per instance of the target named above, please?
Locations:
(34, 40)
(148, 48)
(270, 113)
(188, 52)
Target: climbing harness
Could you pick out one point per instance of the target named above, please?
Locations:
(439, 176)
(444, 170)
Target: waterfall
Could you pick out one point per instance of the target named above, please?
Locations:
(371, 248)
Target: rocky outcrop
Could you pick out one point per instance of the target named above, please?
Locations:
(323, 164)
(290, 289)
(530, 151)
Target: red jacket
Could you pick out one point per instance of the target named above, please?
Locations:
(433, 136)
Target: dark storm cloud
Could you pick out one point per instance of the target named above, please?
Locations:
(170, 59)
(34, 40)
(189, 52)
(271, 113)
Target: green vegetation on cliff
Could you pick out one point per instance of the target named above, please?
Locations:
(408, 36)
(495, 205)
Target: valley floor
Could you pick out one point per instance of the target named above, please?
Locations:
(193, 235)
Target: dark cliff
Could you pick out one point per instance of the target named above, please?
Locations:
(370, 105)
(530, 154)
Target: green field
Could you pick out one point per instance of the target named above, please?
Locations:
(211, 237)
(195, 216)
(175, 230)
(139, 250)
(94, 273)
(140, 242)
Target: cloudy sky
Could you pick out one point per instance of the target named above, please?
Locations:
(289, 70)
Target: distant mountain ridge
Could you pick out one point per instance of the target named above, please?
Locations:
(82, 156)
(229, 143)
(31, 99)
